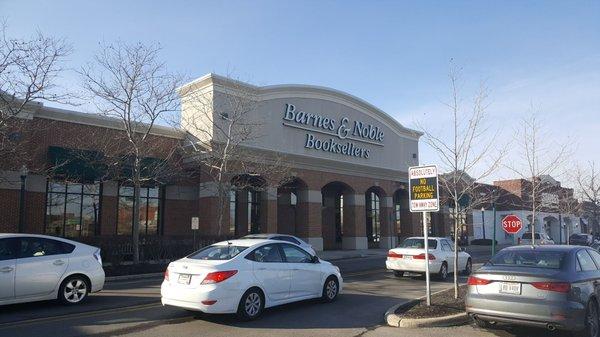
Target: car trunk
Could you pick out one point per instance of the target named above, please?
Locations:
(516, 282)
(189, 273)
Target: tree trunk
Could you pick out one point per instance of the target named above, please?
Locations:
(456, 224)
(136, 213)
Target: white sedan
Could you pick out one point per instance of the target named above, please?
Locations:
(283, 237)
(39, 267)
(247, 276)
(409, 256)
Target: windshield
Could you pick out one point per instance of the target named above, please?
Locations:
(220, 252)
(529, 258)
(417, 243)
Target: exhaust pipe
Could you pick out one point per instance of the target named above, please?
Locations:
(550, 327)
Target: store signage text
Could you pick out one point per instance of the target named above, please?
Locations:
(349, 132)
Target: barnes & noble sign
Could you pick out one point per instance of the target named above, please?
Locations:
(338, 136)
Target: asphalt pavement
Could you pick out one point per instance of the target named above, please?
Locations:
(132, 308)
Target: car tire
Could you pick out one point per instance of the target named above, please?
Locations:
(331, 289)
(592, 325)
(73, 290)
(398, 273)
(468, 268)
(443, 273)
(481, 323)
(252, 305)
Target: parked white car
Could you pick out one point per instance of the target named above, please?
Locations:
(409, 256)
(540, 239)
(283, 237)
(39, 267)
(247, 276)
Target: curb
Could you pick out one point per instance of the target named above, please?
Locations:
(444, 321)
(396, 321)
(132, 277)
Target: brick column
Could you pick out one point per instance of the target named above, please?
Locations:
(354, 222)
(268, 210)
(308, 218)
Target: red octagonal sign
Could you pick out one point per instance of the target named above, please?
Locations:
(512, 224)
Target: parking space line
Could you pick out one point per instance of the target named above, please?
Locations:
(72, 316)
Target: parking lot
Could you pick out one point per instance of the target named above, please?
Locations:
(132, 308)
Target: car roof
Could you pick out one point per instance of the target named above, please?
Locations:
(544, 248)
(429, 238)
(265, 235)
(243, 242)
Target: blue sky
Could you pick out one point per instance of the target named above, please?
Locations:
(394, 54)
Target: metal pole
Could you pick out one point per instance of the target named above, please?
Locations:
(21, 227)
(560, 229)
(483, 222)
(494, 239)
(426, 239)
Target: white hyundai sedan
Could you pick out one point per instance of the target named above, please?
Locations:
(247, 276)
(409, 256)
(40, 267)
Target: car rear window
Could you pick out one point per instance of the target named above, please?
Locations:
(527, 236)
(220, 252)
(530, 258)
(418, 243)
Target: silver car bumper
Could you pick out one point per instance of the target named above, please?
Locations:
(564, 315)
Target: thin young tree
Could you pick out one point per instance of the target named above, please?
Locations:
(130, 83)
(588, 184)
(536, 159)
(29, 69)
(468, 154)
(222, 127)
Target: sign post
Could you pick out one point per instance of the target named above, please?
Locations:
(424, 197)
(195, 227)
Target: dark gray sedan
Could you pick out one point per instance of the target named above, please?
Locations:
(556, 287)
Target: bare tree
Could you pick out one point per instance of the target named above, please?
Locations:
(588, 183)
(222, 128)
(131, 84)
(539, 159)
(29, 69)
(467, 156)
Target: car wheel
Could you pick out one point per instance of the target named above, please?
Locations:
(73, 290)
(398, 273)
(331, 289)
(251, 305)
(591, 321)
(443, 274)
(468, 267)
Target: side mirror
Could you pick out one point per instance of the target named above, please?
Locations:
(462, 249)
(315, 259)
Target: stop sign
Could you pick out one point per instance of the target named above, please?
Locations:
(512, 224)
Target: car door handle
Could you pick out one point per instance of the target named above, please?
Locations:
(261, 268)
(7, 269)
(59, 262)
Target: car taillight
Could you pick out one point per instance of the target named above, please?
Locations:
(476, 281)
(394, 255)
(167, 275)
(422, 256)
(218, 276)
(560, 287)
(97, 256)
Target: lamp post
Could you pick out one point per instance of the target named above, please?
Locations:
(23, 174)
(483, 221)
(494, 238)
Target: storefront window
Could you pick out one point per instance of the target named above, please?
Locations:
(254, 212)
(373, 218)
(148, 210)
(232, 210)
(72, 209)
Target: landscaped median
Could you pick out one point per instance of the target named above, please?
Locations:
(445, 310)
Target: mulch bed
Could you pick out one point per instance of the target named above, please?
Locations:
(442, 304)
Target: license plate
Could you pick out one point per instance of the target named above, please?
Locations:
(408, 257)
(510, 288)
(184, 278)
